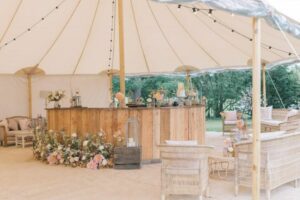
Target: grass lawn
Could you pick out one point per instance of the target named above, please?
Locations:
(216, 124)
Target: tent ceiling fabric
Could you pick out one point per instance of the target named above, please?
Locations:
(158, 37)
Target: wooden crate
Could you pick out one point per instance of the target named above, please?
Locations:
(127, 158)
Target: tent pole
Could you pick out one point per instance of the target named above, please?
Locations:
(121, 49)
(256, 92)
(264, 85)
(29, 95)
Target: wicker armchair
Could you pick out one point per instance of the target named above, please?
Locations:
(184, 170)
(280, 161)
(229, 123)
(282, 120)
(7, 137)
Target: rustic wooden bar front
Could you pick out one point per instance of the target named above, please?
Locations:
(156, 124)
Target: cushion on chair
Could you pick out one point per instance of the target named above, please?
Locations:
(233, 122)
(13, 125)
(182, 142)
(24, 124)
(266, 113)
(230, 115)
(271, 122)
(291, 113)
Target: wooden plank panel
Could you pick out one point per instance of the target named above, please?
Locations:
(157, 125)
(147, 134)
(156, 133)
(179, 126)
(164, 125)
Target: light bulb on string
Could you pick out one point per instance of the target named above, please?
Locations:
(210, 12)
(179, 6)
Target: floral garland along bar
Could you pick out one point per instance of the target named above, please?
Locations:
(93, 151)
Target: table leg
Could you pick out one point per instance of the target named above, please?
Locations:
(16, 140)
(23, 141)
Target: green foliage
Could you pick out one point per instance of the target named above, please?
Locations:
(288, 85)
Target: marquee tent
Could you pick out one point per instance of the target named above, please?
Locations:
(81, 37)
(62, 38)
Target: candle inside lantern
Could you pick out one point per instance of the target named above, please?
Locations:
(131, 142)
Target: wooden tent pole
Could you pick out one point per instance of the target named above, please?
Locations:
(29, 95)
(264, 85)
(121, 49)
(256, 92)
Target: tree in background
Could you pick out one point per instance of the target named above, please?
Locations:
(224, 90)
(287, 83)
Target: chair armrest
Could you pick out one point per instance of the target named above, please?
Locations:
(3, 134)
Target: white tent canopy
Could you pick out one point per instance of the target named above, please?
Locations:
(76, 37)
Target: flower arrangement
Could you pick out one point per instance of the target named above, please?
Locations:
(120, 96)
(228, 147)
(56, 96)
(91, 151)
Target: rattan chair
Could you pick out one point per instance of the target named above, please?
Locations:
(184, 170)
(282, 120)
(228, 125)
(280, 162)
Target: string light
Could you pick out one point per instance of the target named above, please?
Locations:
(179, 6)
(29, 29)
(195, 9)
(112, 36)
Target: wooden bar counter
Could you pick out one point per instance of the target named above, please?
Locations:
(156, 124)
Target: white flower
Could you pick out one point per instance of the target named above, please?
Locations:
(101, 147)
(74, 135)
(230, 149)
(48, 146)
(60, 147)
(100, 133)
(72, 160)
(149, 100)
(104, 162)
(76, 159)
(83, 158)
(85, 143)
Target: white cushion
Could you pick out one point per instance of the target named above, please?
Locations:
(182, 142)
(271, 122)
(230, 115)
(24, 124)
(230, 122)
(291, 113)
(266, 113)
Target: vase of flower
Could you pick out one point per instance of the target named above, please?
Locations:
(56, 97)
(56, 104)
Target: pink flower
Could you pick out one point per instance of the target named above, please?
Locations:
(52, 159)
(98, 158)
(92, 165)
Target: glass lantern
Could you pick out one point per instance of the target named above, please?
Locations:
(132, 129)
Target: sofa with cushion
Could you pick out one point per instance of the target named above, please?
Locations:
(12, 125)
(279, 120)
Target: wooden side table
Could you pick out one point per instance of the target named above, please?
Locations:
(24, 138)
